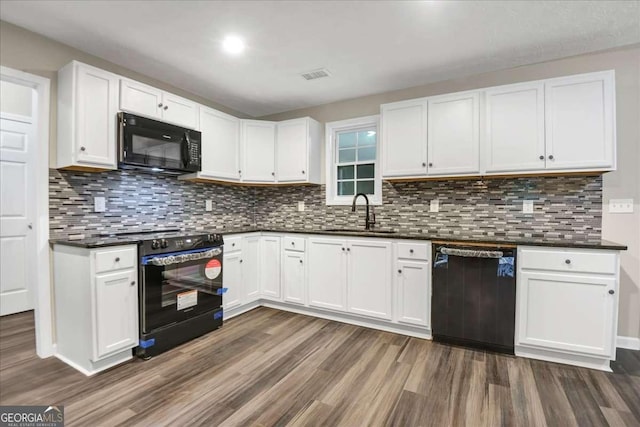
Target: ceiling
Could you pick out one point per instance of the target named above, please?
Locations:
(368, 46)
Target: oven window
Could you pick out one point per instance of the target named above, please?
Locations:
(153, 148)
(184, 278)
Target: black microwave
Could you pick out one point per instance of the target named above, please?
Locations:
(157, 146)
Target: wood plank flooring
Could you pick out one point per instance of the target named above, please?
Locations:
(273, 368)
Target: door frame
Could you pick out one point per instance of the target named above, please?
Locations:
(41, 292)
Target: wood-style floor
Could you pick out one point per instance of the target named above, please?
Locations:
(269, 367)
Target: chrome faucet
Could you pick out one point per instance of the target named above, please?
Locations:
(370, 218)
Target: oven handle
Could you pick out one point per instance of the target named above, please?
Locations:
(180, 258)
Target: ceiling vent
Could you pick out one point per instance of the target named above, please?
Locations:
(316, 74)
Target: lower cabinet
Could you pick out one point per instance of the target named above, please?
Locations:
(413, 296)
(270, 267)
(327, 273)
(251, 268)
(369, 278)
(294, 281)
(241, 261)
(232, 279)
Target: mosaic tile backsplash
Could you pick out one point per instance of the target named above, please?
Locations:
(565, 207)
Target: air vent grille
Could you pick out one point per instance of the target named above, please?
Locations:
(316, 74)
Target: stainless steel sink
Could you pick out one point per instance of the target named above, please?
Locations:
(351, 230)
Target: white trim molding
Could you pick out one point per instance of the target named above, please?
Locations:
(630, 343)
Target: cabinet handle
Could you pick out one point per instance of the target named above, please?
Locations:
(83, 149)
(160, 105)
(424, 164)
(541, 157)
(165, 107)
(551, 157)
(233, 244)
(567, 261)
(117, 259)
(273, 174)
(302, 172)
(611, 292)
(343, 249)
(133, 283)
(240, 261)
(430, 164)
(293, 243)
(300, 261)
(348, 249)
(239, 172)
(400, 271)
(410, 251)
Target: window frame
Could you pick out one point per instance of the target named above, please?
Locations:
(331, 163)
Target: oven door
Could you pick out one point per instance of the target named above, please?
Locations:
(178, 286)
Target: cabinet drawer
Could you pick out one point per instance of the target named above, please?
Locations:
(232, 244)
(413, 251)
(566, 260)
(116, 259)
(294, 243)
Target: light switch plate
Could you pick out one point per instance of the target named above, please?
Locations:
(434, 205)
(621, 206)
(527, 206)
(208, 205)
(300, 206)
(99, 204)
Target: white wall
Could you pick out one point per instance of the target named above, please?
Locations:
(16, 99)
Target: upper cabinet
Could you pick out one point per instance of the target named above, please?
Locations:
(220, 145)
(258, 149)
(559, 125)
(297, 150)
(87, 108)
(138, 98)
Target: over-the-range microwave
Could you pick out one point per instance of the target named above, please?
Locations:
(157, 146)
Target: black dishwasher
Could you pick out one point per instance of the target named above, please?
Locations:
(474, 296)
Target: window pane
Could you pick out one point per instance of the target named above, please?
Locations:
(345, 188)
(368, 153)
(366, 137)
(365, 187)
(345, 156)
(347, 139)
(366, 171)
(345, 172)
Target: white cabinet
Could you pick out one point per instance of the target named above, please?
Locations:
(294, 280)
(369, 278)
(220, 145)
(580, 121)
(144, 100)
(454, 134)
(241, 268)
(404, 138)
(232, 279)
(251, 268)
(514, 124)
(96, 298)
(298, 147)
(87, 108)
(327, 273)
(413, 292)
(270, 267)
(258, 148)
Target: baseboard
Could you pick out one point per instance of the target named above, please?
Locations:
(601, 364)
(630, 343)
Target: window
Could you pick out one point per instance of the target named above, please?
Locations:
(352, 161)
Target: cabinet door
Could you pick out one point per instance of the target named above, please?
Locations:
(292, 144)
(141, 99)
(414, 292)
(566, 312)
(116, 312)
(369, 278)
(514, 120)
(327, 273)
(453, 142)
(258, 150)
(179, 111)
(580, 121)
(404, 138)
(250, 268)
(270, 267)
(97, 106)
(232, 279)
(294, 277)
(220, 144)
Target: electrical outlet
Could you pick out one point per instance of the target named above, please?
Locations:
(527, 206)
(99, 204)
(621, 206)
(434, 205)
(300, 206)
(208, 205)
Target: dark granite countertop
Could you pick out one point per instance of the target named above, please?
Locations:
(97, 242)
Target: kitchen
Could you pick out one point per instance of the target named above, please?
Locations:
(310, 301)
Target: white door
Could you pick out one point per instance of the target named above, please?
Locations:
(369, 278)
(270, 267)
(414, 292)
(327, 273)
(258, 150)
(220, 144)
(404, 138)
(292, 144)
(17, 215)
(579, 121)
(293, 277)
(179, 111)
(97, 98)
(566, 312)
(138, 98)
(251, 268)
(453, 142)
(232, 279)
(116, 301)
(514, 120)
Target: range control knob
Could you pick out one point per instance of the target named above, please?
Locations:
(155, 244)
(164, 243)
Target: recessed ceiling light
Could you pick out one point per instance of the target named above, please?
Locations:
(233, 45)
